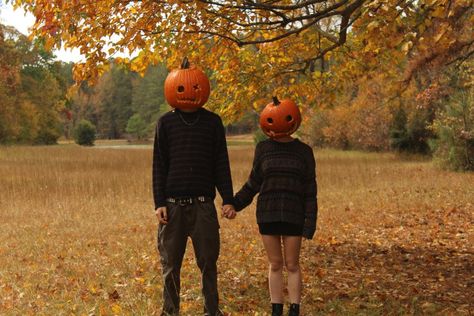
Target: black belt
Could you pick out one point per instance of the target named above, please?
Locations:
(182, 201)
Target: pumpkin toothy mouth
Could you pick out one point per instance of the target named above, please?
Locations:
(292, 127)
(188, 100)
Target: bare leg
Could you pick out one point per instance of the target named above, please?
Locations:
(292, 246)
(272, 246)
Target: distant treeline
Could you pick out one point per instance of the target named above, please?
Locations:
(39, 104)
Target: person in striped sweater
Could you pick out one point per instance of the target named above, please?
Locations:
(190, 161)
(284, 176)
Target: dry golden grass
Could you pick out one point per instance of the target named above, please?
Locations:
(78, 236)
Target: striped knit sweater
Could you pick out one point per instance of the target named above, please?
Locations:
(190, 157)
(284, 176)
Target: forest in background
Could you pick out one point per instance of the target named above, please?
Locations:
(39, 101)
(403, 81)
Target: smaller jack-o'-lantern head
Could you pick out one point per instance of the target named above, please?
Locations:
(280, 118)
(187, 88)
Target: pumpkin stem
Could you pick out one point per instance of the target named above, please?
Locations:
(185, 63)
(275, 100)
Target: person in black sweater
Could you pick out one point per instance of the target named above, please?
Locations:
(283, 173)
(190, 161)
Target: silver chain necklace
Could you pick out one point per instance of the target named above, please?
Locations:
(188, 123)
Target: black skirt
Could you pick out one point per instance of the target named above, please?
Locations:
(280, 228)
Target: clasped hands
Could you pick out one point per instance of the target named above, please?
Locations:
(228, 211)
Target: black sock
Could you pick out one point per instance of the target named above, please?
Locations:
(277, 309)
(294, 310)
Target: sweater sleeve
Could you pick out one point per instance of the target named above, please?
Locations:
(311, 201)
(160, 165)
(222, 168)
(248, 191)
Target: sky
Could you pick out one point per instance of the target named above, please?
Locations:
(22, 22)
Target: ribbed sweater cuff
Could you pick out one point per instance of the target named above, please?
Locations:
(228, 200)
(308, 232)
(160, 203)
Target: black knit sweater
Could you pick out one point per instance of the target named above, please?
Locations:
(190, 157)
(284, 175)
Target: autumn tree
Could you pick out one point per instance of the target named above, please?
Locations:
(31, 98)
(352, 62)
(9, 81)
(246, 43)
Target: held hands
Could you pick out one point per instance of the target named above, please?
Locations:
(228, 211)
(162, 215)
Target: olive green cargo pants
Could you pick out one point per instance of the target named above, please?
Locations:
(198, 221)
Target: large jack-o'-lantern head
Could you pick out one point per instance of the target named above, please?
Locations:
(187, 88)
(280, 118)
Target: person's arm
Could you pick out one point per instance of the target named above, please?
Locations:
(223, 178)
(248, 191)
(311, 201)
(160, 165)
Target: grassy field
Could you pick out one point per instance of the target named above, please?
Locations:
(78, 235)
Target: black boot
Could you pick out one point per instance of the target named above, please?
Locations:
(294, 310)
(277, 309)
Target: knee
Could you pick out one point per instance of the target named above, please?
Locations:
(276, 266)
(207, 264)
(292, 267)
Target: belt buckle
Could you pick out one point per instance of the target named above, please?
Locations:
(185, 201)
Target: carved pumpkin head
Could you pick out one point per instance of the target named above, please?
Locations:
(187, 88)
(280, 118)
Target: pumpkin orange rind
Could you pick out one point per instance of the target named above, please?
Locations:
(187, 88)
(280, 118)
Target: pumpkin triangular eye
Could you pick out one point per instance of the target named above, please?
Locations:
(289, 118)
(196, 87)
(270, 120)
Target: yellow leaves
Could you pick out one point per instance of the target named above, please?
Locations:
(101, 69)
(49, 43)
(438, 12)
(121, 60)
(374, 25)
(78, 71)
(407, 46)
(92, 289)
(140, 280)
(141, 62)
(117, 309)
(438, 36)
(157, 31)
(410, 36)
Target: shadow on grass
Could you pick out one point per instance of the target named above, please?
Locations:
(368, 279)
